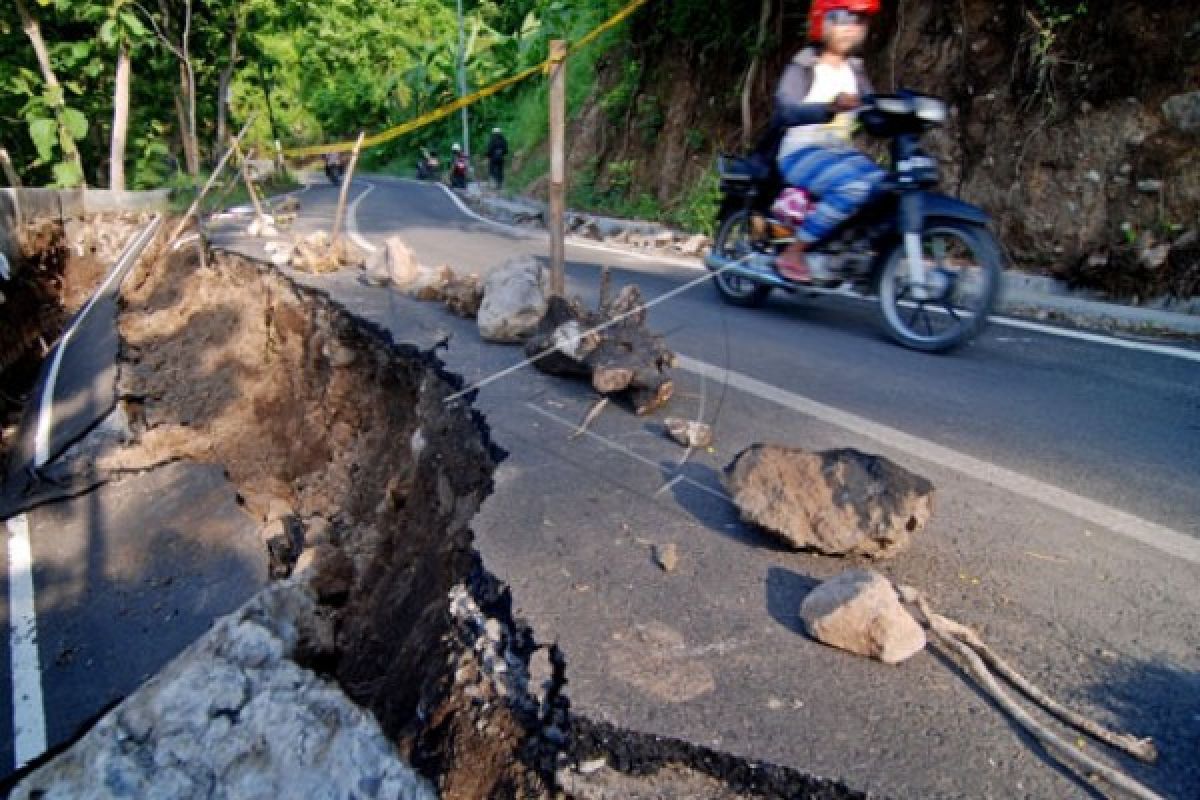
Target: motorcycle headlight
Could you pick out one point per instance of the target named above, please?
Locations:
(931, 109)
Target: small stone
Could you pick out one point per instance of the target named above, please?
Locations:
(667, 556)
(689, 433)
(1094, 176)
(592, 765)
(338, 355)
(493, 630)
(1183, 111)
(1155, 257)
(859, 611)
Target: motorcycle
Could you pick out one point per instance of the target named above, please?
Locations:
(428, 166)
(335, 170)
(930, 259)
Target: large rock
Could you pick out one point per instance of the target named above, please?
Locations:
(395, 264)
(234, 716)
(859, 611)
(837, 502)
(513, 301)
(1183, 111)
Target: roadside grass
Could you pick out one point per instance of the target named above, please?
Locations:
(229, 191)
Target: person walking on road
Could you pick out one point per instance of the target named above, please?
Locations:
(497, 150)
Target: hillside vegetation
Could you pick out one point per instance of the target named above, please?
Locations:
(1059, 126)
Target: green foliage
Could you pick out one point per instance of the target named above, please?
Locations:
(697, 211)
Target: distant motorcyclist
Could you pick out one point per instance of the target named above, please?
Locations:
(427, 165)
(497, 150)
(814, 111)
(458, 167)
(335, 168)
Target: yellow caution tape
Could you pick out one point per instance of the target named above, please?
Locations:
(462, 102)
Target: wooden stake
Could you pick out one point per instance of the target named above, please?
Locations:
(341, 207)
(558, 125)
(10, 174)
(258, 209)
(211, 180)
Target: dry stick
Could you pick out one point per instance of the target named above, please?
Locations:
(590, 417)
(1142, 749)
(243, 163)
(10, 174)
(977, 669)
(211, 180)
(605, 288)
(341, 208)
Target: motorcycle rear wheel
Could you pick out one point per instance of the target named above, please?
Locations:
(963, 266)
(733, 242)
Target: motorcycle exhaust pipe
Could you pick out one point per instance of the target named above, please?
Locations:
(754, 267)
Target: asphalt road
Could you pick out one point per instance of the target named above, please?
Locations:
(1118, 426)
(1066, 526)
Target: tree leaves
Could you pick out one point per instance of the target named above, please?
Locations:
(75, 122)
(44, 133)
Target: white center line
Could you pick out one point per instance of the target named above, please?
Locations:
(352, 221)
(1160, 537)
(29, 721)
(45, 420)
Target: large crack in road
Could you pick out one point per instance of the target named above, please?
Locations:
(365, 481)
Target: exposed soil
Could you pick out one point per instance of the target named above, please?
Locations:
(343, 446)
(51, 280)
(1056, 124)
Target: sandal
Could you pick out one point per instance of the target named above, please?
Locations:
(792, 265)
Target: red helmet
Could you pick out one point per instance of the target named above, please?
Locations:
(816, 14)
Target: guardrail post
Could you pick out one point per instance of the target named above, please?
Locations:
(558, 113)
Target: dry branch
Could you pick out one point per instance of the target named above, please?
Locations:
(977, 656)
(346, 179)
(211, 180)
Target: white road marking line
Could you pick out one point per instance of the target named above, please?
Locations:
(1099, 338)
(45, 420)
(29, 715)
(1159, 537)
(620, 448)
(352, 221)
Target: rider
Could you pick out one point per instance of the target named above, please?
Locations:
(458, 167)
(815, 101)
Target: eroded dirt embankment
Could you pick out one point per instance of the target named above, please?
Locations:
(366, 480)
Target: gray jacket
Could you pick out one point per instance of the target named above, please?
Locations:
(797, 81)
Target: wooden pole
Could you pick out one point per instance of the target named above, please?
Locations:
(245, 167)
(341, 207)
(10, 174)
(558, 125)
(211, 180)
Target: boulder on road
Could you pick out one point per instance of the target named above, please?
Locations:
(395, 264)
(514, 301)
(837, 502)
(859, 611)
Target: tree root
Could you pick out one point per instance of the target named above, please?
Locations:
(976, 658)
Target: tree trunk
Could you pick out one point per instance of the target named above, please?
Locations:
(764, 20)
(223, 87)
(30, 25)
(120, 126)
(185, 104)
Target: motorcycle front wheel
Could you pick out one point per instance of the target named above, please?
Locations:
(963, 268)
(733, 242)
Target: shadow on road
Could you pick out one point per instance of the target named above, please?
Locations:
(785, 591)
